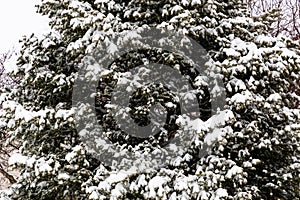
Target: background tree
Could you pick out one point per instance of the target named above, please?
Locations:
(6, 83)
(257, 155)
(285, 14)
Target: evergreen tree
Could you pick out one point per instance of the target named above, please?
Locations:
(257, 156)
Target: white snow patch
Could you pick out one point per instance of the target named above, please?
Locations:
(118, 191)
(232, 52)
(5, 193)
(120, 176)
(234, 171)
(94, 195)
(241, 97)
(17, 158)
(63, 176)
(156, 182)
(274, 97)
(104, 185)
(22, 113)
(70, 156)
(43, 166)
(170, 105)
(221, 193)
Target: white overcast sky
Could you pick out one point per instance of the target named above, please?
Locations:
(18, 18)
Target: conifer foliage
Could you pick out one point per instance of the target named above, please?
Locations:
(256, 157)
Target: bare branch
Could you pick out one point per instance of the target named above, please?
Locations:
(288, 20)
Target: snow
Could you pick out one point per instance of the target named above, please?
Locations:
(74, 4)
(185, 2)
(42, 166)
(221, 193)
(233, 171)
(255, 161)
(104, 185)
(196, 2)
(17, 158)
(212, 137)
(170, 105)
(242, 97)
(70, 156)
(112, 49)
(287, 176)
(63, 176)
(127, 13)
(213, 124)
(181, 183)
(204, 195)
(5, 193)
(295, 166)
(175, 9)
(288, 53)
(247, 164)
(220, 118)
(196, 188)
(64, 114)
(120, 176)
(105, 72)
(274, 97)
(117, 191)
(237, 84)
(212, 170)
(11, 123)
(265, 39)
(226, 24)
(141, 180)
(30, 161)
(241, 20)
(107, 26)
(156, 182)
(101, 1)
(22, 113)
(231, 52)
(94, 195)
(9, 105)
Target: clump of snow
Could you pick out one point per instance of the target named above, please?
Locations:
(104, 185)
(181, 183)
(170, 105)
(241, 99)
(247, 164)
(221, 193)
(156, 182)
(17, 158)
(22, 113)
(64, 114)
(4, 194)
(118, 191)
(70, 156)
(231, 52)
(94, 195)
(234, 171)
(265, 39)
(274, 97)
(120, 176)
(63, 176)
(212, 137)
(75, 151)
(43, 166)
(255, 161)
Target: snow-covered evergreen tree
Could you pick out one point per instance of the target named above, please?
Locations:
(257, 156)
